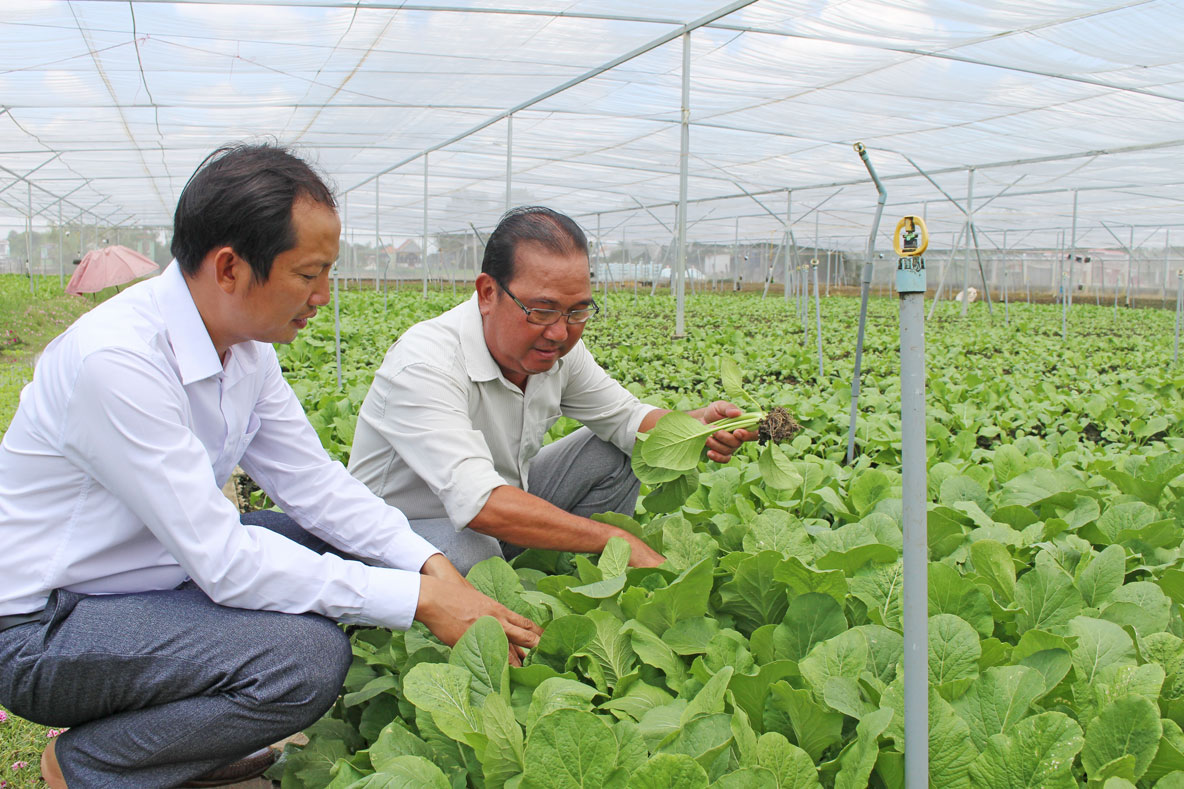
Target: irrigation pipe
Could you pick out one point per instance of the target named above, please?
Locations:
(864, 286)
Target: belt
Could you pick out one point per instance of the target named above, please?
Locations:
(12, 620)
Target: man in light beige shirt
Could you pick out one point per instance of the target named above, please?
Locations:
(451, 431)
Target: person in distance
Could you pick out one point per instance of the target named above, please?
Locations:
(172, 636)
(451, 430)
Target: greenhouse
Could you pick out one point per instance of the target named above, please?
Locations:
(984, 488)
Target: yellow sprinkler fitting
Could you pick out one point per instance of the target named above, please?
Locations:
(915, 247)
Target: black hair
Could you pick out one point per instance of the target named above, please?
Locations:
(241, 196)
(556, 232)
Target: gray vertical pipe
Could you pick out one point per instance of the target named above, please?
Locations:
(788, 206)
(736, 256)
(61, 245)
(1179, 307)
(969, 221)
(817, 315)
(509, 156)
(337, 289)
(29, 239)
(1130, 262)
(378, 244)
(865, 284)
(425, 226)
(1167, 244)
(683, 161)
(915, 600)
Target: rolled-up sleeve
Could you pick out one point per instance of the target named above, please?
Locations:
(423, 414)
(592, 397)
(133, 439)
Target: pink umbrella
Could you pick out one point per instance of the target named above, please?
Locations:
(102, 268)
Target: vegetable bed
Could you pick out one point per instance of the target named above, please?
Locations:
(766, 652)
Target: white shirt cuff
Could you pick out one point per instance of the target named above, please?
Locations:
(391, 598)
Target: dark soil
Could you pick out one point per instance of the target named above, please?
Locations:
(777, 426)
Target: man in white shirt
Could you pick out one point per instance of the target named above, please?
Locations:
(451, 430)
(136, 608)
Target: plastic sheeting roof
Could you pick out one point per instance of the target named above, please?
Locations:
(108, 106)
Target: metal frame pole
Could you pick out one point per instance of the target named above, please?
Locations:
(1179, 307)
(425, 226)
(969, 219)
(865, 285)
(61, 243)
(817, 313)
(915, 593)
(788, 206)
(1167, 239)
(509, 156)
(1130, 262)
(683, 162)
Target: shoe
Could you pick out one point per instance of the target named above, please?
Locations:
(250, 766)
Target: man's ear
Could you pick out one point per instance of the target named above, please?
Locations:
(487, 289)
(230, 270)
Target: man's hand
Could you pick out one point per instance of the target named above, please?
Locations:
(722, 444)
(448, 609)
(642, 555)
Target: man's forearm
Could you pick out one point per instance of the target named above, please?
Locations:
(519, 518)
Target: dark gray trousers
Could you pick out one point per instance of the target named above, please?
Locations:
(579, 473)
(160, 687)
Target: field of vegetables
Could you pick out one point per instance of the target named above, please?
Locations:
(766, 652)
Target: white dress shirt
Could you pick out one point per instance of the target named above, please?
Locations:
(441, 427)
(111, 470)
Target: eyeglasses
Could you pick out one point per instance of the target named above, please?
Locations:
(549, 317)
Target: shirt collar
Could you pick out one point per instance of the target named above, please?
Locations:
(479, 362)
(191, 343)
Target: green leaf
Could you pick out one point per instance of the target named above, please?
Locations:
(703, 739)
(1169, 757)
(495, 578)
(502, 756)
(998, 701)
(395, 741)
(670, 496)
(792, 767)
(1038, 753)
(1048, 599)
(569, 749)
(484, 650)
(746, 778)
(954, 650)
(669, 770)
(558, 693)
(811, 619)
(992, 561)
(814, 727)
(684, 547)
(777, 530)
(675, 442)
(610, 648)
(1101, 575)
(1141, 604)
(879, 588)
(444, 691)
(710, 698)
(614, 559)
(845, 655)
(1127, 726)
(406, 772)
(563, 638)
(652, 651)
(685, 597)
(1099, 644)
(778, 470)
(858, 758)
(868, 488)
(733, 383)
(800, 580)
(951, 593)
(754, 595)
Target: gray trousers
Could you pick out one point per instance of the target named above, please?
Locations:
(160, 687)
(579, 473)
